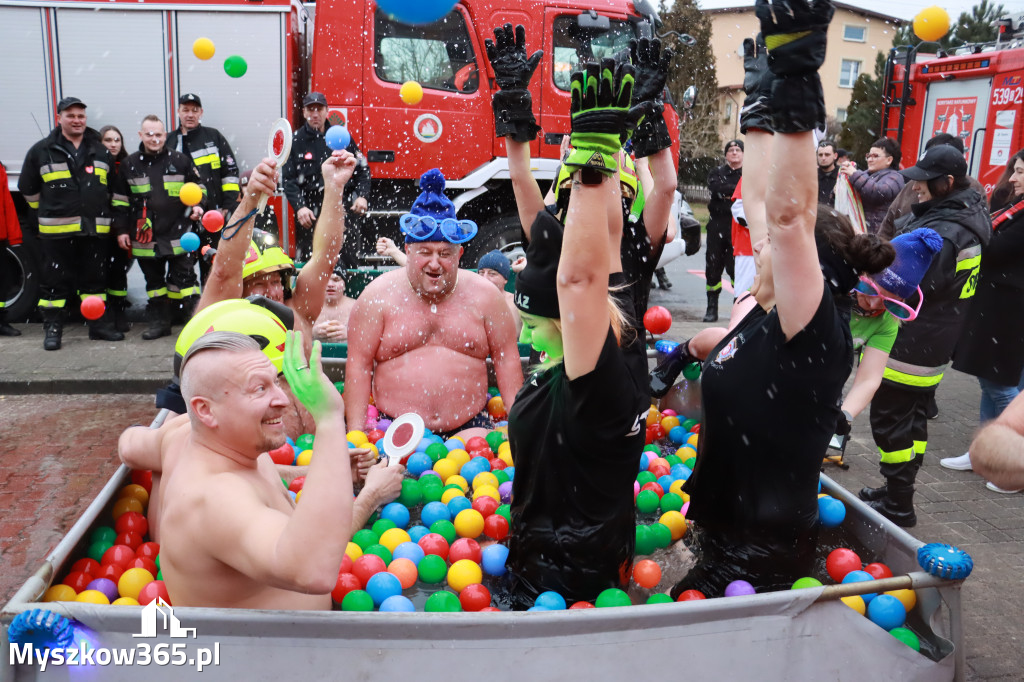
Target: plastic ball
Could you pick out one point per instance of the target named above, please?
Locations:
(417, 532)
(124, 601)
(675, 522)
(878, 570)
(190, 194)
(380, 586)
(452, 494)
(93, 307)
(647, 501)
(417, 463)
(475, 597)
(494, 557)
(337, 137)
(347, 582)
(367, 566)
(446, 529)
(153, 590)
(132, 522)
(397, 513)
(190, 241)
(213, 221)
(86, 565)
(114, 572)
(907, 637)
(931, 23)
(855, 603)
(690, 595)
(805, 583)
(364, 538)
(464, 572)
(657, 319)
(465, 548)
(405, 570)
(442, 602)
(611, 597)
(505, 492)
(118, 554)
(469, 523)
(357, 600)
(660, 535)
(409, 550)
(105, 586)
(60, 593)
(203, 48)
(235, 66)
(907, 597)
(551, 600)
(380, 551)
(860, 577)
(831, 512)
(496, 527)
(393, 537)
(647, 574)
(487, 505)
(132, 581)
(644, 542)
(411, 93)
(739, 588)
(397, 604)
(92, 597)
(671, 502)
(887, 612)
(840, 562)
(353, 551)
(432, 569)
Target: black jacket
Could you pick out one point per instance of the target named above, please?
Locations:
(73, 194)
(925, 345)
(304, 181)
(215, 161)
(827, 185)
(722, 182)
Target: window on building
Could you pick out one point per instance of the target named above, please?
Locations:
(438, 56)
(840, 115)
(728, 111)
(855, 34)
(574, 44)
(848, 73)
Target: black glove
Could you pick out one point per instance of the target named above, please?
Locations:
(691, 236)
(844, 423)
(513, 105)
(795, 33)
(757, 83)
(664, 376)
(651, 65)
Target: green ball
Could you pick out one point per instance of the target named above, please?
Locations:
(284, 483)
(381, 525)
(381, 551)
(613, 596)
(436, 451)
(495, 439)
(411, 494)
(236, 67)
(907, 637)
(673, 460)
(357, 600)
(645, 477)
(431, 493)
(432, 569)
(453, 486)
(445, 529)
(689, 424)
(442, 601)
(304, 442)
(365, 538)
(505, 511)
(103, 534)
(660, 534)
(692, 371)
(156, 560)
(644, 541)
(647, 501)
(340, 386)
(159, 574)
(97, 549)
(690, 463)
(671, 502)
(659, 599)
(804, 583)
(501, 476)
(653, 448)
(493, 391)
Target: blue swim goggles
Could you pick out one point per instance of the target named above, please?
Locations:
(418, 228)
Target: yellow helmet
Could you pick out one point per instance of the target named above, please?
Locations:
(264, 255)
(235, 315)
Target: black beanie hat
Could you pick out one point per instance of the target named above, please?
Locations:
(537, 284)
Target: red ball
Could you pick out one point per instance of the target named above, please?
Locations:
(213, 220)
(143, 478)
(660, 470)
(77, 580)
(297, 483)
(131, 522)
(653, 486)
(367, 566)
(111, 572)
(486, 453)
(657, 319)
(878, 571)
(130, 539)
(143, 562)
(346, 564)
(465, 548)
(691, 595)
(148, 550)
(85, 565)
(497, 464)
(374, 435)
(477, 443)
(475, 597)
(496, 527)
(153, 590)
(490, 608)
(840, 562)
(656, 431)
(118, 554)
(646, 573)
(486, 505)
(93, 307)
(581, 605)
(432, 543)
(284, 455)
(346, 583)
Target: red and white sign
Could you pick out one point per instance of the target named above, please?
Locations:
(955, 115)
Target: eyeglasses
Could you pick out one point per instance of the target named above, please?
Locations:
(423, 228)
(874, 156)
(894, 306)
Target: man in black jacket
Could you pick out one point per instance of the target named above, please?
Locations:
(828, 172)
(718, 254)
(304, 184)
(76, 198)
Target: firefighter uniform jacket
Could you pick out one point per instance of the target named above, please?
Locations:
(215, 161)
(924, 346)
(73, 194)
(304, 181)
(155, 182)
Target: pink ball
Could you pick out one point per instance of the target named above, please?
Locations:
(669, 413)
(372, 414)
(636, 489)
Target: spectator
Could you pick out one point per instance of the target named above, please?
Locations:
(70, 173)
(877, 186)
(332, 325)
(722, 182)
(155, 175)
(120, 259)
(10, 235)
(304, 184)
(495, 267)
(843, 158)
(828, 172)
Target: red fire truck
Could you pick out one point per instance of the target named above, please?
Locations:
(975, 93)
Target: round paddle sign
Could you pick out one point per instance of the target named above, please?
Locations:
(402, 437)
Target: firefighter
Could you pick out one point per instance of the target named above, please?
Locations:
(155, 175)
(214, 159)
(304, 183)
(68, 181)
(722, 182)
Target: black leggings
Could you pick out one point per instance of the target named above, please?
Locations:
(718, 254)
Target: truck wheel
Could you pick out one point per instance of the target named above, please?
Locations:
(504, 233)
(21, 300)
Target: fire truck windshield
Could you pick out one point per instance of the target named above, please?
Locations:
(573, 44)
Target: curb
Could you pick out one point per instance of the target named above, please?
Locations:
(81, 386)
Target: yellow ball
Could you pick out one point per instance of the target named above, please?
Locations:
(931, 23)
(485, 478)
(411, 92)
(353, 551)
(653, 416)
(446, 468)
(393, 537)
(692, 440)
(373, 448)
(92, 597)
(132, 581)
(459, 456)
(126, 504)
(450, 494)
(298, 496)
(855, 602)
(677, 488)
(504, 448)
(304, 458)
(357, 438)
(469, 523)
(203, 48)
(459, 481)
(463, 573)
(506, 457)
(907, 597)
(135, 490)
(124, 601)
(60, 593)
(669, 423)
(676, 523)
(486, 491)
(190, 194)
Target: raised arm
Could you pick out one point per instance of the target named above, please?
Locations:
(652, 141)
(365, 327)
(756, 126)
(529, 200)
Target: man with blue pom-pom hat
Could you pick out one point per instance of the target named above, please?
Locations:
(420, 335)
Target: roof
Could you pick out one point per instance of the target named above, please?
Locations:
(838, 5)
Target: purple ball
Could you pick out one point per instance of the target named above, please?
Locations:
(739, 588)
(505, 491)
(383, 424)
(106, 586)
(430, 472)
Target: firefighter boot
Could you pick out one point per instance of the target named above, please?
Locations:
(712, 313)
(869, 494)
(103, 328)
(898, 503)
(159, 319)
(53, 327)
(187, 308)
(6, 329)
(663, 281)
(118, 307)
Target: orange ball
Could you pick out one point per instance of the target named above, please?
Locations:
(496, 408)
(135, 490)
(405, 570)
(60, 593)
(646, 573)
(126, 504)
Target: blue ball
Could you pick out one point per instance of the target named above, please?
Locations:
(410, 550)
(190, 241)
(417, 463)
(680, 472)
(677, 434)
(397, 513)
(337, 137)
(422, 445)
(510, 472)
(457, 504)
(537, 607)
(860, 577)
(494, 557)
(454, 444)
(382, 585)
(645, 460)
(433, 512)
(433, 438)
(887, 612)
(551, 601)
(397, 603)
(831, 511)
(419, 12)
(417, 532)
(665, 481)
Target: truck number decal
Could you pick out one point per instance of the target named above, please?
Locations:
(1008, 95)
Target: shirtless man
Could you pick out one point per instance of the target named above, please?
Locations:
(231, 537)
(332, 325)
(419, 336)
(496, 269)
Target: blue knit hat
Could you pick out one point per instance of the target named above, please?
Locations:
(433, 203)
(495, 260)
(914, 253)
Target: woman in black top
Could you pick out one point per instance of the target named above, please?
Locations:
(120, 259)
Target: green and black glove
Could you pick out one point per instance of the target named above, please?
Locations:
(795, 33)
(757, 83)
(512, 104)
(651, 65)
